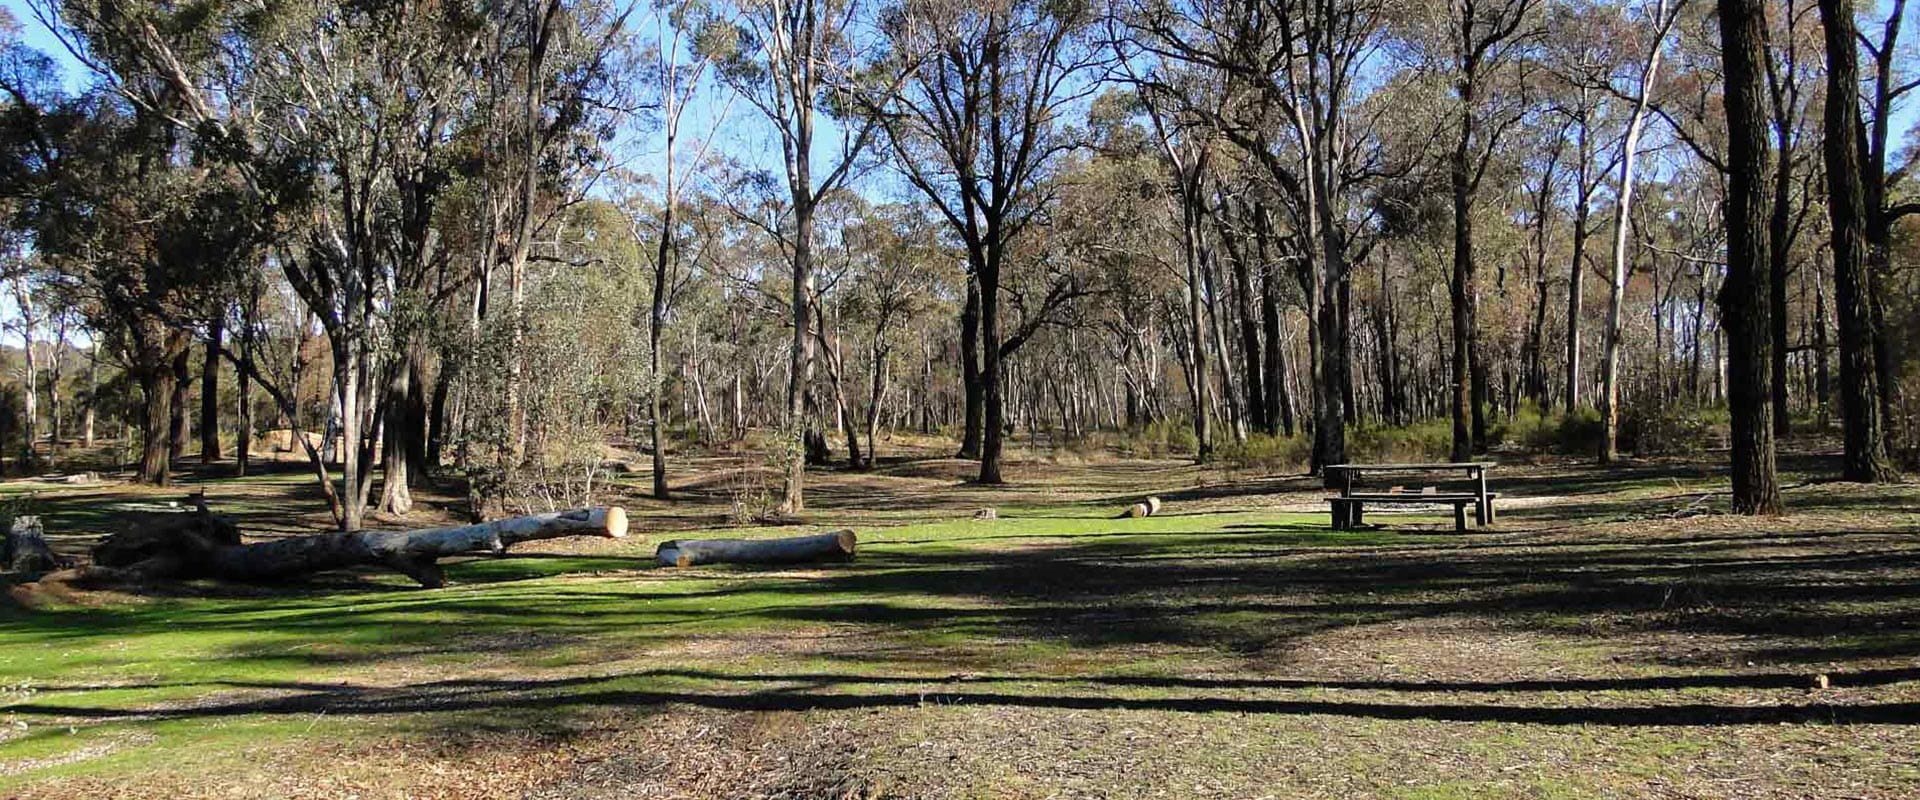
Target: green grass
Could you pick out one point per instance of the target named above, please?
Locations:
(1055, 625)
(171, 650)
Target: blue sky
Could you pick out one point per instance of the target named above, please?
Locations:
(743, 134)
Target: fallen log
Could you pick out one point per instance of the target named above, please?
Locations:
(205, 546)
(25, 549)
(1144, 508)
(836, 546)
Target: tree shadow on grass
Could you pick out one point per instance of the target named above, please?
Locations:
(1250, 590)
(815, 691)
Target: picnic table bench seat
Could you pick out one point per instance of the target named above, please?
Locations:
(1350, 505)
(1349, 510)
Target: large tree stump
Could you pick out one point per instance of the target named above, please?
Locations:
(25, 549)
(200, 546)
(836, 546)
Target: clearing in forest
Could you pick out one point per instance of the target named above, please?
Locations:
(1613, 635)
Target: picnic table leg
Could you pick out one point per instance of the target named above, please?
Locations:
(1358, 516)
(1460, 516)
(1482, 510)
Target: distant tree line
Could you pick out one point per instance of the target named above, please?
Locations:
(488, 240)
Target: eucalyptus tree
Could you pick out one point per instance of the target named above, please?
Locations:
(1661, 19)
(1885, 184)
(801, 64)
(1187, 149)
(1577, 54)
(678, 72)
(900, 271)
(1861, 413)
(1744, 303)
(978, 127)
(298, 101)
(1789, 94)
(1297, 74)
(141, 237)
(546, 93)
(1485, 46)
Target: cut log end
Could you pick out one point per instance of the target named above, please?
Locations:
(616, 522)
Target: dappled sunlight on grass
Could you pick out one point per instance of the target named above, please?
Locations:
(1048, 608)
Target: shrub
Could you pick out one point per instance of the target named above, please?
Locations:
(1531, 428)
(1431, 440)
(1581, 431)
(1265, 455)
(1669, 428)
(1160, 439)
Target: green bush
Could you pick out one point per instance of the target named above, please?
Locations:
(1580, 432)
(1265, 455)
(1167, 437)
(1431, 440)
(1669, 428)
(1531, 428)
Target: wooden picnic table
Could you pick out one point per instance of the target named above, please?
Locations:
(1347, 508)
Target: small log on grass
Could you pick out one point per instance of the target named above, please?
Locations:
(198, 547)
(1144, 508)
(25, 548)
(836, 546)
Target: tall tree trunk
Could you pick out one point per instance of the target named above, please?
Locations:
(93, 392)
(30, 394)
(1577, 268)
(152, 359)
(210, 394)
(1622, 223)
(1229, 397)
(1349, 408)
(656, 327)
(439, 412)
(243, 408)
(177, 429)
(56, 367)
(975, 416)
(1779, 234)
(1253, 378)
(1535, 355)
(1279, 405)
(1390, 411)
(836, 376)
(1699, 331)
(394, 497)
(1200, 384)
(799, 361)
(990, 370)
(1822, 368)
(1330, 426)
(1469, 427)
(1879, 218)
(876, 396)
(1860, 407)
(1744, 300)
(350, 388)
